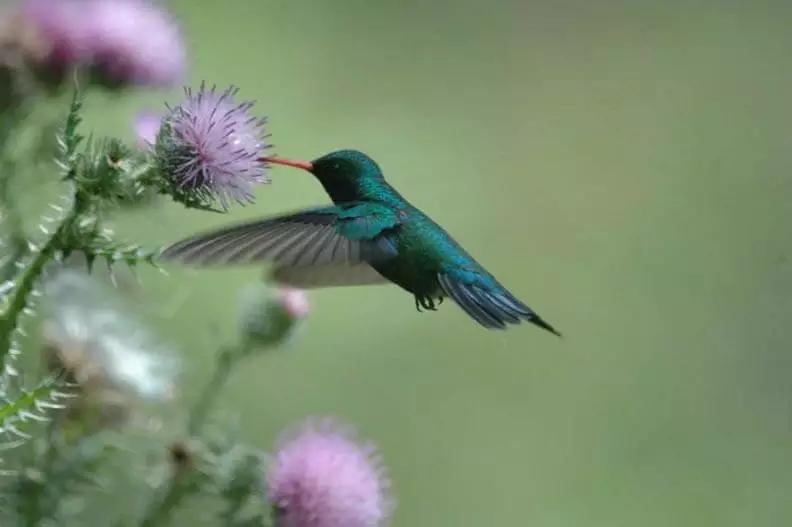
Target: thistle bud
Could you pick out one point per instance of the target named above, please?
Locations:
(270, 316)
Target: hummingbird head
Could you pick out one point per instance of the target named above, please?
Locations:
(344, 174)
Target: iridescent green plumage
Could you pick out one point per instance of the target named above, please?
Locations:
(370, 235)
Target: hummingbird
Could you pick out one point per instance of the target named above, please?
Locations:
(370, 235)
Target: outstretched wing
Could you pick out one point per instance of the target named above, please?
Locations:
(313, 248)
(486, 301)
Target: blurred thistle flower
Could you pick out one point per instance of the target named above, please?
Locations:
(61, 29)
(147, 126)
(110, 357)
(270, 316)
(134, 42)
(321, 476)
(120, 42)
(209, 149)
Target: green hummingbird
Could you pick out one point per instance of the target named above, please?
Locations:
(371, 234)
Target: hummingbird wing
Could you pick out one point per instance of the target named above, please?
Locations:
(312, 248)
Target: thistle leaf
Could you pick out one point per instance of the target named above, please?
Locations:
(18, 412)
(71, 139)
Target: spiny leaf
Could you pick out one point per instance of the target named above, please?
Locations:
(26, 408)
(26, 403)
(70, 139)
(113, 253)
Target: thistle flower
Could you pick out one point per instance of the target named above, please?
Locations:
(320, 476)
(147, 126)
(134, 42)
(209, 149)
(61, 31)
(120, 42)
(268, 317)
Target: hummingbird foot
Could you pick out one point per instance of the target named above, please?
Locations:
(425, 302)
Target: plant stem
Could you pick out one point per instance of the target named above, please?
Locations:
(159, 510)
(36, 502)
(16, 244)
(18, 298)
(197, 417)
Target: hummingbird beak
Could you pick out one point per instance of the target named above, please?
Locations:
(305, 165)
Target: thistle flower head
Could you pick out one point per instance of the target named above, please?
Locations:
(61, 30)
(134, 42)
(209, 148)
(320, 476)
(269, 317)
(121, 42)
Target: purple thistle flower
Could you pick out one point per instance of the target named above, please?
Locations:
(321, 476)
(120, 41)
(210, 148)
(61, 29)
(147, 126)
(135, 42)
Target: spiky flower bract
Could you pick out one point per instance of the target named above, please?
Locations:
(321, 476)
(269, 317)
(209, 149)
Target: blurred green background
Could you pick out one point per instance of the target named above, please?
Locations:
(624, 167)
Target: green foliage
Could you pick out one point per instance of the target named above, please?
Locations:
(70, 139)
(19, 412)
(55, 487)
(238, 481)
(222, 470)
(100, 175)
(50, 482)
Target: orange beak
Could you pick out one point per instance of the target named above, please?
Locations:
(305, 165)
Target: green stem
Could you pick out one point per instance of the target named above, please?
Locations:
(18, 298)
(16, 249)
(16, 244)
(159, 510)
(197, 417)
(36, 506)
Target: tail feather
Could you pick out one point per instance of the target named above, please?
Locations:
(463, 297)
(493, 309)
(525, 312)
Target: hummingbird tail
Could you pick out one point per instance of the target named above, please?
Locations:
(492, 308)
